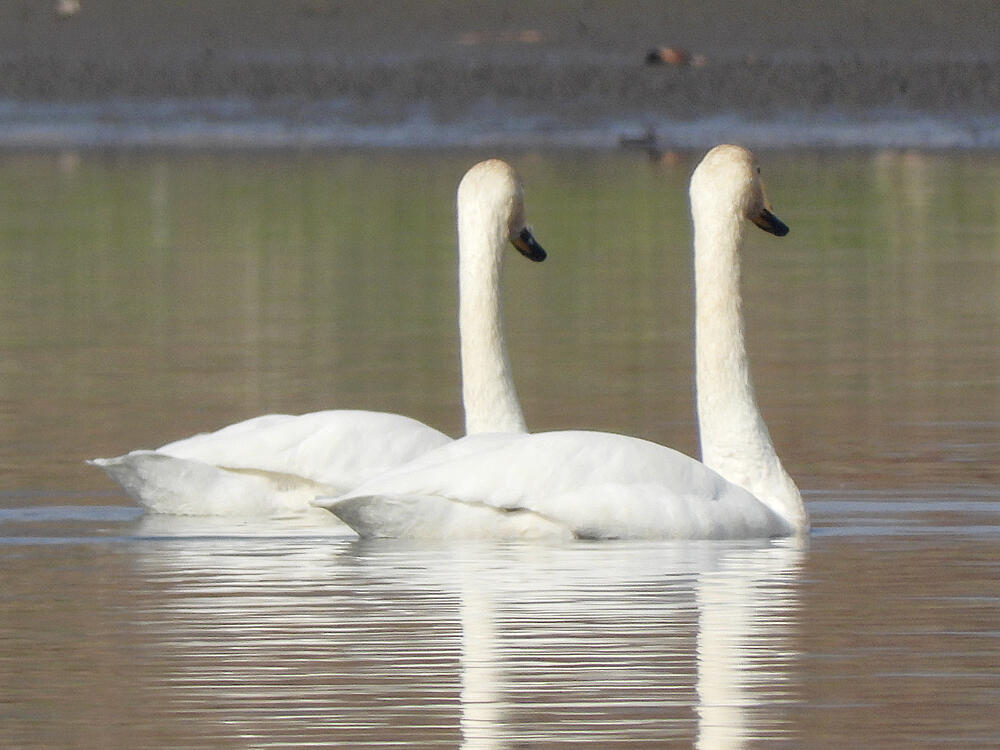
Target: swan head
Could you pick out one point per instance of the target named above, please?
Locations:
(728, 180)
(490, 194)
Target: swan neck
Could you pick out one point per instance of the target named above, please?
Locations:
(488, 392)
(735, 441)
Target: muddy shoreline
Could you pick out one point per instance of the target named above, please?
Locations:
(370, 64)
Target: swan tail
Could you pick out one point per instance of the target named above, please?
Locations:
(178, 486)
(435, 517)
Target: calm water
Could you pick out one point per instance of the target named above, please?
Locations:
(149, 296)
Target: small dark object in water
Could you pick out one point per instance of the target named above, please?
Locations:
(650, 142)
(647, 141)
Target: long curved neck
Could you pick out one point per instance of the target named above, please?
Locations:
(735, 442)
(488, 392)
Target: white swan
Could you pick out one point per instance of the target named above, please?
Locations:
(600, 485)
(275, 464)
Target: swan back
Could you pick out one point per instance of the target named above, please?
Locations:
(490, 218)
(726, 189)
(584, 484)
(271, 465)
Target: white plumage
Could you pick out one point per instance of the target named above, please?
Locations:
(274, 465)
(601, 485)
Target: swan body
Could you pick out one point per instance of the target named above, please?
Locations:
(271, 465)
(601, 485)
(588, 485)
(274, 465)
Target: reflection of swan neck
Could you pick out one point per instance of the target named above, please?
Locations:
(746, 614)
(482, 715)
(734, 439)
(488, 392)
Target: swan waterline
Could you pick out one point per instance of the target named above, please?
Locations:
(274, 465)
(594, 485)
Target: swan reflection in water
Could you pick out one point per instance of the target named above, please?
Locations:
(373, 642)
(580, 638)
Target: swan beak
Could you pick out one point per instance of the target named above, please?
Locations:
(528, 246)
(770, 223)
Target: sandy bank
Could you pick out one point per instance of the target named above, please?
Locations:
(449, 62)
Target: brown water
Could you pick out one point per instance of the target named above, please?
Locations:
(146, 297)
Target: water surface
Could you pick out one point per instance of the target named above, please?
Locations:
(147, 296)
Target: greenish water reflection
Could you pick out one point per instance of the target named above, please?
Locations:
(150, 296)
